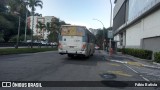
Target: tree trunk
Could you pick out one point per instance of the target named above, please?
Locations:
(32, 29)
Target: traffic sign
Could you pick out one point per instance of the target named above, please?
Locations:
(110, 34)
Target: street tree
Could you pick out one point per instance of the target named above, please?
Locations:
(55, 29)
(99, 37)
(42, 28)
(33, 4)
(8, 18)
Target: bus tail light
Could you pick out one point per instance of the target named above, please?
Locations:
(60, 46)
(83, 47)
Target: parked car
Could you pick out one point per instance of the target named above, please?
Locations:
(96, 47)
(29, 41)
(53, 43)
(44, 43)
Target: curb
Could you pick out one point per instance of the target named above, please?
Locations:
(156, 63)
(132, 57)
(149, 66)
(154, 67)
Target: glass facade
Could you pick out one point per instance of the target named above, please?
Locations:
(136, 7)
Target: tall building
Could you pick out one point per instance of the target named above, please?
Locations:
(136, 24)
(36, 31)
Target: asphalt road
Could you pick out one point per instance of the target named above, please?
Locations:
(50, 66)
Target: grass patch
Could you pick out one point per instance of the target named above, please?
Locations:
(24, 50)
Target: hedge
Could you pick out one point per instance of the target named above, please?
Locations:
(8, 51)
(119, 50)
(157, 57)
(140, 53)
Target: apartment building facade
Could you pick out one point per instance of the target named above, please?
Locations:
(36, 31)
(136, 24)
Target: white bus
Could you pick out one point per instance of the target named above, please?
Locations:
(76, 41)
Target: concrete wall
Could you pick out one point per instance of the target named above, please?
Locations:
(144, 33)
(134, 36)
(152, 44)
(152, 25)
(117, 39)
(118, 5)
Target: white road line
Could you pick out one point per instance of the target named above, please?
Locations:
(119, 61)
(137, 73)
(144, 78)
(131, 69)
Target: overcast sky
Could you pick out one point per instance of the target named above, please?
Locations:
(79, 12)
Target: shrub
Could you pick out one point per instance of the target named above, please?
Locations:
(157, 57)
(119, 50)
(140, 53)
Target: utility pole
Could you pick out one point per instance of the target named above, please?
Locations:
(110, 24)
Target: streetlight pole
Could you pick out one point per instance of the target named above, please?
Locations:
(110, 23)
(103, 31)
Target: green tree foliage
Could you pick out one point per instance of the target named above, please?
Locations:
(54, 29)
(33, 4)
(99, 37)
(9, 19)
(3, 4)
(42, 28)
(52, 37)
(1, 37)
(21, 38)
(37, 14)
(48, 26)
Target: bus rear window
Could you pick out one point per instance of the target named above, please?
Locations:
(72, 31)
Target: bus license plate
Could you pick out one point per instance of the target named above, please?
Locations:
(71, 46)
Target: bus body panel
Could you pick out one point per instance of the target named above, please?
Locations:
(76, 44)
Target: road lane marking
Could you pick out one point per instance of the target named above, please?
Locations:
(144, 78)
(128, 62)
(119, 61)
(121, 73)
(137, 73)
(131, 69)
(134, 63)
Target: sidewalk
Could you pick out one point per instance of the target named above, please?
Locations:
(127, 59)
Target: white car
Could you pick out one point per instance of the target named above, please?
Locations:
(28, 41)
(96, 47)
(53, 43)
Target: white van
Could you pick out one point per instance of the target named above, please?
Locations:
(76, 41)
